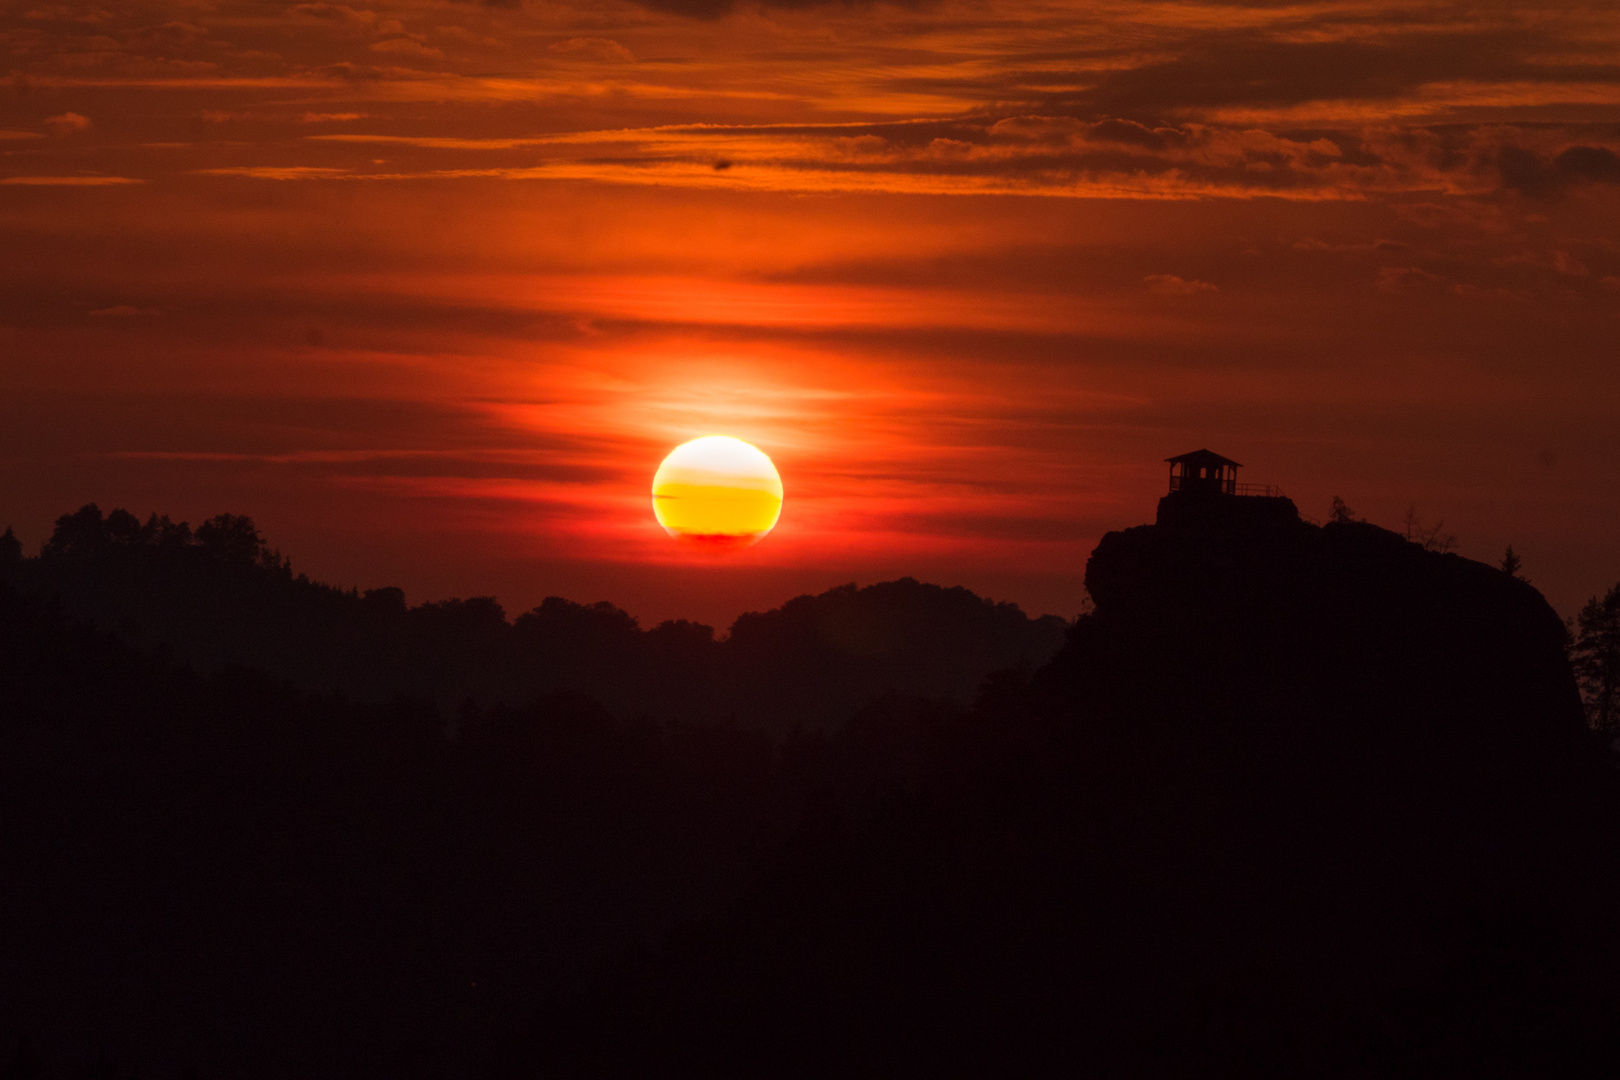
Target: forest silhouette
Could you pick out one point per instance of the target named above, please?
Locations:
(1291, 800)
(220, 597)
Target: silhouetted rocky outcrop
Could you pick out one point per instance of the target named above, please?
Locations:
(1362, 819)
(1338, 641)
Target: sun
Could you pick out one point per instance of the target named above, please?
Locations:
(717, 492)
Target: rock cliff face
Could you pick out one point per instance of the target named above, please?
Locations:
(1242, 627)
(1342, 796)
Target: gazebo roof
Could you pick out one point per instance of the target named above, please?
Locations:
(1203, 458)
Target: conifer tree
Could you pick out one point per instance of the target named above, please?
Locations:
(1511, 562)
(1595, 656)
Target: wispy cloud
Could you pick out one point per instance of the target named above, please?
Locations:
(1171, 285)
(67, 123)
(70, 181)
(274, 172)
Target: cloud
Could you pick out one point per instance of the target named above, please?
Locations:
(1311, 243)
(1117, 103)
(691, 9)
(70, 181)
(592, 48)
(1171, 285)
(1131, 133)
(1073, 131)
(173, 34)
(1037, 156)
(1406, 279)
(6, 136)
(1259, 68)
(467, 37)
(119, 311)
(68, 13)
(1527, 172)
(338, 13)
(68, 123)
(404, 46)
(380, 78)
(1597, 163)
(1559, 262)
(430, 141)
(1524, 171)
(713, 9)
(275, 172)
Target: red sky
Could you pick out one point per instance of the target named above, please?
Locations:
(429, 288)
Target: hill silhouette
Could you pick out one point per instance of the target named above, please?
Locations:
(1292, 800)
(219, 596)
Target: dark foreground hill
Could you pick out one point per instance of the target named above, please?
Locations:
(1291, 801)
(220, 597)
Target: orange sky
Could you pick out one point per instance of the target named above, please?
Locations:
(429, 288)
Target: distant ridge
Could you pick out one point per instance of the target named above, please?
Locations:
(220, 596)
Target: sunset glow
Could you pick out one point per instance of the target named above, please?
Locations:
(717, 492)
(426, 288)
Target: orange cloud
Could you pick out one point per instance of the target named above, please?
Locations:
(1171, 285)
(405, 46)
(68, 123)
(592, 48)
(70, 181)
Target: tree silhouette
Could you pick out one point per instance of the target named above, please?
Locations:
(231, 538)
(1341, 513)
(1595, 655)
(82, 532)
(1429, 537)
(162, 533)
(1511, 562)
(123, 529)
(388, 600)
(10, 548)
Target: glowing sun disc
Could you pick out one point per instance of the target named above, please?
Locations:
(717, 492)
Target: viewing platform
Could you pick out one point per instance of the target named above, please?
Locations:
(1204, 489)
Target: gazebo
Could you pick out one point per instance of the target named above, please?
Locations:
(1203, 471)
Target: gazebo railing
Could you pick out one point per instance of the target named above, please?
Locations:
(1224, 486)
